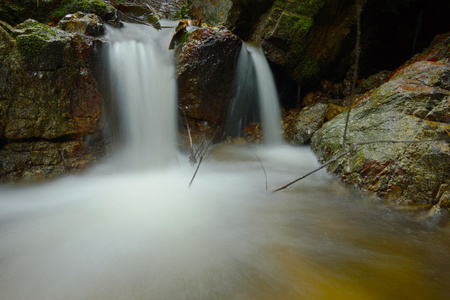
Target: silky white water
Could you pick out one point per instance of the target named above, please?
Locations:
(256, 98)
(268, 97)
(144, 85)
(122, 231)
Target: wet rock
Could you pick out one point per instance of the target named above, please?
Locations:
(372, 82)
(141, 13)
(79, 22)
(31, 161)
(414, 105)
(205, 68)
(300, 125)
(16, 12)
(214, 12)
(48, 95)
(304, 37)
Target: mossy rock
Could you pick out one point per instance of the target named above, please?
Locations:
(97, 7)
(302, 7)
(15, 12)
(42, 47)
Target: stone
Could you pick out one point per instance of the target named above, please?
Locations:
(48, 98)
(411, 106)
(213, 12)
(300, 125)
(303, 37)
(205, 68)
(79, 22)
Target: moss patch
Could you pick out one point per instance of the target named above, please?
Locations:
(303, 7)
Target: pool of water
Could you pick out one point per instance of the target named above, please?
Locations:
(114, 234)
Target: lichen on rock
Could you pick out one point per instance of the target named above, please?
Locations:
(413, 106)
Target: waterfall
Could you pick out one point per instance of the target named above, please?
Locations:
(255, 91)
(244, 106)
(144, 86)
(268, 97)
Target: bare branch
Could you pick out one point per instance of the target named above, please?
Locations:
(352, 148)
(357, 51)
(262, 166)
(200, 162)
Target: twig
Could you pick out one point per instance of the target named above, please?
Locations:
(200, 162)
(356, 67)
(61, 152)
(356, 145)
(262, 166)
(192, 157)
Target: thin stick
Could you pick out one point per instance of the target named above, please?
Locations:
(199, 163)
(61, 152)
(355, 71)
(262, 166)
(192, 157)
(348, 151)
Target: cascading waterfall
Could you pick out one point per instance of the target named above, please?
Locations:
(143, 83)
(143, 234)
(268, 97)
(244, 106)
(256, 97)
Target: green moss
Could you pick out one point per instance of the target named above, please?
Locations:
(97, 7)
(302, 7)
(184, 12)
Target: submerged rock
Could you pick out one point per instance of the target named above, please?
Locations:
(414, 105)
(205, 68)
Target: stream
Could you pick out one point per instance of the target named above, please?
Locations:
(131, 228)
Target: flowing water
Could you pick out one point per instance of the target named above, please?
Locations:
(268, 97)
(125, 231)
(256, 98)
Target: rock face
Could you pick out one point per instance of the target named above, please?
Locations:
(205, 68)
(299, 126)
(414, 105)
(213, 11)
(15, 12)
(304, 37)
(49, 103)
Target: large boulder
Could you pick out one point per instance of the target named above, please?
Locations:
(48, 97)
(206, 64)
(413, 106)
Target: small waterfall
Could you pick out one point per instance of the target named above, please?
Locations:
(144, 86)
(268, 97)
(255, 91)
(244, 107)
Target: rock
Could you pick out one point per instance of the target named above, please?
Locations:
(141, 13)
(414, 105)
(304, 37)
(244, 14)
(16, 12)
(79, 22)
(31, 161)
(205, 68)
(300, 125)
(48, 96)
(214, 12)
